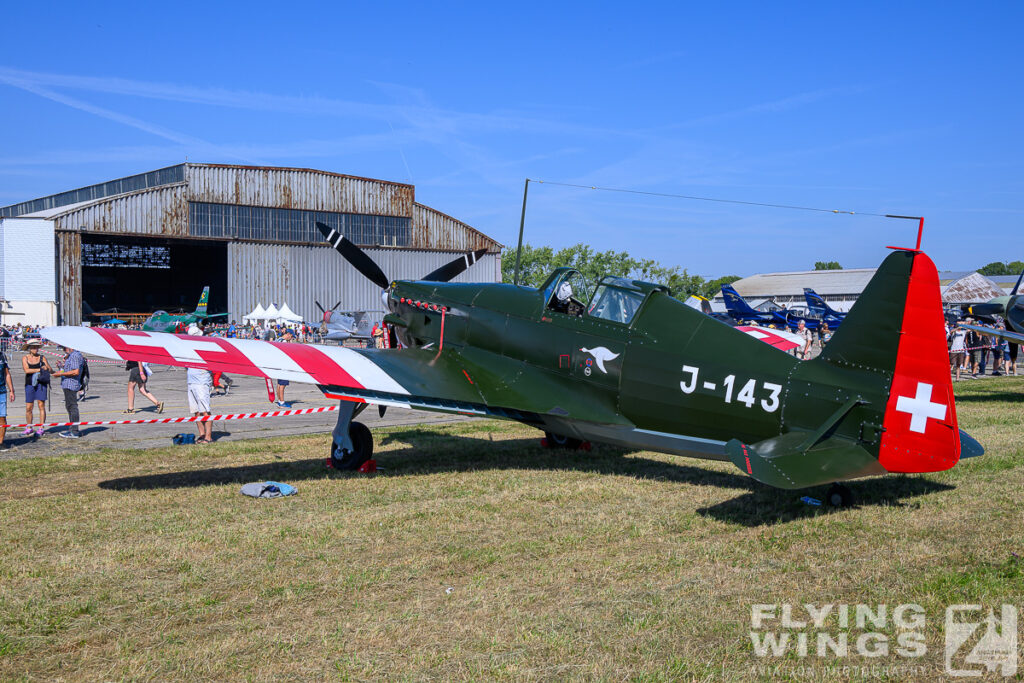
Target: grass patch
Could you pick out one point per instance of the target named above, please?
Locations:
(476, 554)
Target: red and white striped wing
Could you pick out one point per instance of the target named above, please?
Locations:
(780, 339)
(306, 363)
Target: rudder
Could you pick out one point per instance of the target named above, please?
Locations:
(896, 328)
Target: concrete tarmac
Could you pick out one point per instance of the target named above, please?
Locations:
(108, 396)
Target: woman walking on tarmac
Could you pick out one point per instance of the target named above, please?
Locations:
(137, 377)
(37, 383)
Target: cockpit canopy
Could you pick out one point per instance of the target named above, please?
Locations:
(615, 298)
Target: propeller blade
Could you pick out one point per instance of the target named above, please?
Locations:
(354, 255)
(381, 409)
(335, 306)
(319, 306)
(1016, 287)
(456, 267)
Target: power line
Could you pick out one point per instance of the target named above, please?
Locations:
(720, 200)
(526, 188)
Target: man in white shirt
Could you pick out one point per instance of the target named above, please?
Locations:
(200, 382)
(804, 352)
(957, 349)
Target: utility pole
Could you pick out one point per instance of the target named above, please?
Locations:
(522, 220)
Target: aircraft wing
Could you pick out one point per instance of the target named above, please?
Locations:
(472, 381)
(780, 339)
(1015, 337)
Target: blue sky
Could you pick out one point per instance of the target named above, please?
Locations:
(876, 107)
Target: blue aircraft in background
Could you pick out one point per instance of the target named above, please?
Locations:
(818, 307)
(740, 310)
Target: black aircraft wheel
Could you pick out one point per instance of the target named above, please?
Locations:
(362, 442)
(559, 441)
(839, 496)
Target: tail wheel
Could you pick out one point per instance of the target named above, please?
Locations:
(559, 441)
(362, 443)
(839, 496)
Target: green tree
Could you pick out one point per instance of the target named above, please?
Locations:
(999, 268)
(538, 262)
(827, 265)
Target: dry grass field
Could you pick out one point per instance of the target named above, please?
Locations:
(476, 554)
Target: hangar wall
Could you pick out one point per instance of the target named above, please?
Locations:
(265, 217)
(299, 275)
(27, 270)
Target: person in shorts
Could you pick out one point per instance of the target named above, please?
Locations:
(199, 384)
(957, 353)
(282, 383)
(803, 352)
(37, 384)
(6, 392)
(137, 377)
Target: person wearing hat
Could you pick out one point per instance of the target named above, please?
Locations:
(37, 383)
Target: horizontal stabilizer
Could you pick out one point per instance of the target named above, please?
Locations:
(969, 447)
(782, 462)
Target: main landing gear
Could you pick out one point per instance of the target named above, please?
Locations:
(352, 443)
(552, 440)
(839, 496)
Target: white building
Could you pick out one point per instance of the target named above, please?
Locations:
(28, 283)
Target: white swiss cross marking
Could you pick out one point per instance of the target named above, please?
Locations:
(180, 349)
(921, 408)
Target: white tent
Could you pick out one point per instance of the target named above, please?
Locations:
(288, 315)
(257, 314)
(272, 313)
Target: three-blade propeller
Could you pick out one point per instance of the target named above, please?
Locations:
(365, 265)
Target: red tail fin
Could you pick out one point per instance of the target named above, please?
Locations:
(921, 432)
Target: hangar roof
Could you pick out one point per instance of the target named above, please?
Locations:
(825, 282)
(275, 205)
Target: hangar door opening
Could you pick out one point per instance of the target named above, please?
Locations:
(134, 275)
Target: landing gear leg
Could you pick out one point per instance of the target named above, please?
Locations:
(352, 443)
(553, 440)
(839, 496)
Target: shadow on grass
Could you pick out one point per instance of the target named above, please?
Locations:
(764, 505)
(1007, 396)
(430, 452)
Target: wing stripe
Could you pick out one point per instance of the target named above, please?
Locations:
(305, 363)
(272, 360)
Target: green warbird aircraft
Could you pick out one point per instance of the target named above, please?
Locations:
(1010, 308)
(162, 321)
(627, 365)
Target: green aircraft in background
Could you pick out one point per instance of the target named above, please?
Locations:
(1010, 308)
(162, 321)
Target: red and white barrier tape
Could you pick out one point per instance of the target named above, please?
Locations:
(101, 361)
(175, 420)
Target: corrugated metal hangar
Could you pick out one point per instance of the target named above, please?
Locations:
(154, 240)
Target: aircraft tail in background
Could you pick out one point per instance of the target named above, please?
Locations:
(204, 299)
(817, 306)
(738, 306)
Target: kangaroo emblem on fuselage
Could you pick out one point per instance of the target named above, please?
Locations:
(601, 354)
